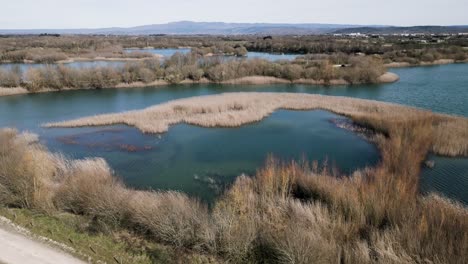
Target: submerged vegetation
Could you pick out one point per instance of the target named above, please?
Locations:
(289, 212)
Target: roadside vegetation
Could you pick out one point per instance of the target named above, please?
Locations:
(289, 212)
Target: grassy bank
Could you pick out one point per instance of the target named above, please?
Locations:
(295, 212)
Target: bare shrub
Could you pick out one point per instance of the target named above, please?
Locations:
(90, 188)
(171, 218)
(10, 78)
(26, 172)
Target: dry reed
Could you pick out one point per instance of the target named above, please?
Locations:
(448, 134)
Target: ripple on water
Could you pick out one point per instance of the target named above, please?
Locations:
(448, 177)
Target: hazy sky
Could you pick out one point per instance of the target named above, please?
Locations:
(17, 14)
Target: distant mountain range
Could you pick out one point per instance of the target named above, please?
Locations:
(220, 28)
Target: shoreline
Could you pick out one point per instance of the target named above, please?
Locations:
(387, 77)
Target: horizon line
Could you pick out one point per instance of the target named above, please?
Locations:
(221, 22)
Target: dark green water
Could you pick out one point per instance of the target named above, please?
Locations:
(441, 89)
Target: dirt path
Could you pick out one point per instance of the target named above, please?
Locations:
(18, 248)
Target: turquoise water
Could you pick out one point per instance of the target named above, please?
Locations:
(202, 161)
(441, 89)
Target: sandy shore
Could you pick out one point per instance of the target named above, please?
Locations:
(13, 91)
(249, 80)
(236, 109)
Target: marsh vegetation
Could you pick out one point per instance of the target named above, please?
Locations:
(288, 212)
(448, 134)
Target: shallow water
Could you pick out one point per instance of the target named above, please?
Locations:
(201, 161)
(438, 88)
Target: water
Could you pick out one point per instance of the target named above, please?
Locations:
(202, 161)
(441, 89)
(271, 56)
(250, 55)
(164, 52)
(448, 177)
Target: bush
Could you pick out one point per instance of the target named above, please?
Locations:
(363, 70)
(14, 56)
(192, 72)
(51, 57)
(10, 78)
(174, 75)
(292, 72)
(241, 51)
(26, 172)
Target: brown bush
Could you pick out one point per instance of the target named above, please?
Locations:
(10, 78)
(26, 172)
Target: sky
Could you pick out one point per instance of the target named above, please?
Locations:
(57, 14)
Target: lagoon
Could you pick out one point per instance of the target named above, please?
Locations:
(440, 89)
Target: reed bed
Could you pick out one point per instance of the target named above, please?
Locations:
(448, 134)
(289, 212)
